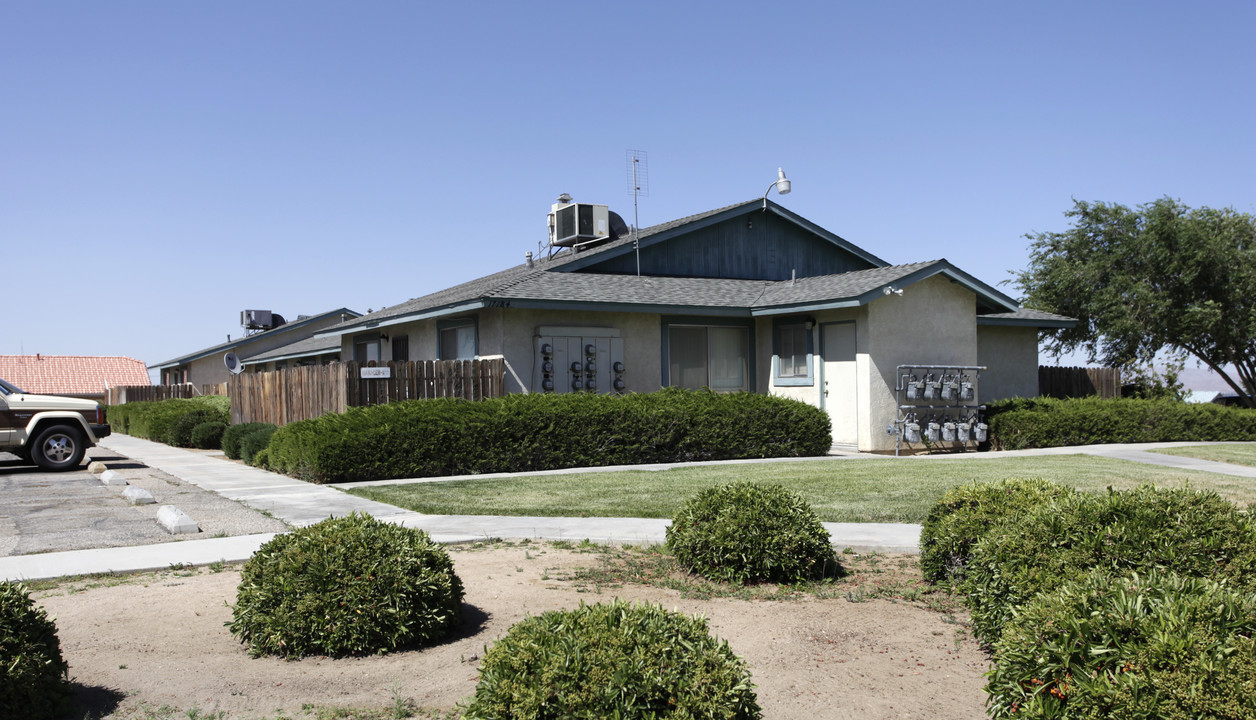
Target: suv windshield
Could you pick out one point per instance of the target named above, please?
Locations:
(8, 389)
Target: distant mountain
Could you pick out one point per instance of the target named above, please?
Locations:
(1203, 379)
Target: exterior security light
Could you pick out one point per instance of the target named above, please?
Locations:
(782, 183)
(782, 186)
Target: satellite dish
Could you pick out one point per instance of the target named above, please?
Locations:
(233, 363)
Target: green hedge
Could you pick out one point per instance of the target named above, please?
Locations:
(521, 433)
(235, 434)
(1195, 534)
(255, 442)
(152, 420)
(33, 674)
(966, 513)
(1047, 422)
(1151, 645)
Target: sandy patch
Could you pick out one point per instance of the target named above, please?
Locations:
(160, 640)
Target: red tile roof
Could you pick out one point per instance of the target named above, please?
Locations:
(71, 374)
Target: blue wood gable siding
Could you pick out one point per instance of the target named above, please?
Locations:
(756, 247)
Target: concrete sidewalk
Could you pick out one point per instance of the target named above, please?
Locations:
(300, 503)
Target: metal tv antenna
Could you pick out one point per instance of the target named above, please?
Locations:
(638, 163)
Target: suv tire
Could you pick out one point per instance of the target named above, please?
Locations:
(58, 448)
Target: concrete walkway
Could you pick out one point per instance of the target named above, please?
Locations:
(299, 504)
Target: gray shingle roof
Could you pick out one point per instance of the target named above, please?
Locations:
(1026, 316)
(846, 286)
(286, 328)
(317, 345)
(496, 284)
(546, 282)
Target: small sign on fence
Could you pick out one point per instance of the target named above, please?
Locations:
(376, 373)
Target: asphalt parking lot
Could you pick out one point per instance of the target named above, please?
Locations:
(50, 512)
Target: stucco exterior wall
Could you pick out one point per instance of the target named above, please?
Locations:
(641, 333)
(1010, 355)
(510, 333)
(933, 321)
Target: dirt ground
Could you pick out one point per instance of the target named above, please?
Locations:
(155, 646)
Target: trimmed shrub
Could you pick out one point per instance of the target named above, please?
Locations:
(261, 459)
(151, 420)
(179, 434)
(33, 675)
(232, 436)
(1048, 422)
(517, 433)
(255, 442)
(1194, 534)
(346, 586)
(615, 660)
(966, 513)
(208, 435)
(746, 533)
(1143, 646)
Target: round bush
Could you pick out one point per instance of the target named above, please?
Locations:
(208, 435)
(745, 533)
(1195, 534)
(1144, 646)
(966, 513)
(613, 660)
(179, 432)
(33, 675)
(256, 441)
(346, 586)
(232, 436)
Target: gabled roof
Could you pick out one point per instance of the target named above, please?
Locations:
(475, 293)
(569, 279)
(666, 231)
(71, 374)
(301, 323)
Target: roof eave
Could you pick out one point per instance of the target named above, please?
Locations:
(625, 307)
(1042, 323)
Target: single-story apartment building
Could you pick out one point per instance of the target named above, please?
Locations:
(208, 365)
(750, 297)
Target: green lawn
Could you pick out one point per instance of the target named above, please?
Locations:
(1237, 454)
(839, 490)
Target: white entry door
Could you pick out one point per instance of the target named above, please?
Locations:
(840, 385)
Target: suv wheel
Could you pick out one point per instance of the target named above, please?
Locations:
(58, 448)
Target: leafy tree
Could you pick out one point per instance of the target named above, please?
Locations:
(1161, 277)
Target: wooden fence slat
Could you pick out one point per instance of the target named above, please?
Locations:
(1072, 382)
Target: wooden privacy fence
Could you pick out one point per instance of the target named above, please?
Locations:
(1073, 382)
(138, 393)
(301, 393)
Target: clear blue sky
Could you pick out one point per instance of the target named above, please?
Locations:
(164, 165)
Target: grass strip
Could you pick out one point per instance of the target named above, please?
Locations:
(839, 490)
(1236, 454)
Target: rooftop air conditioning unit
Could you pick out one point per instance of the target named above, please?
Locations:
(257, 319)
(576, 223)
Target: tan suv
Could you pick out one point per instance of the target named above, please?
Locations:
(52, 431)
